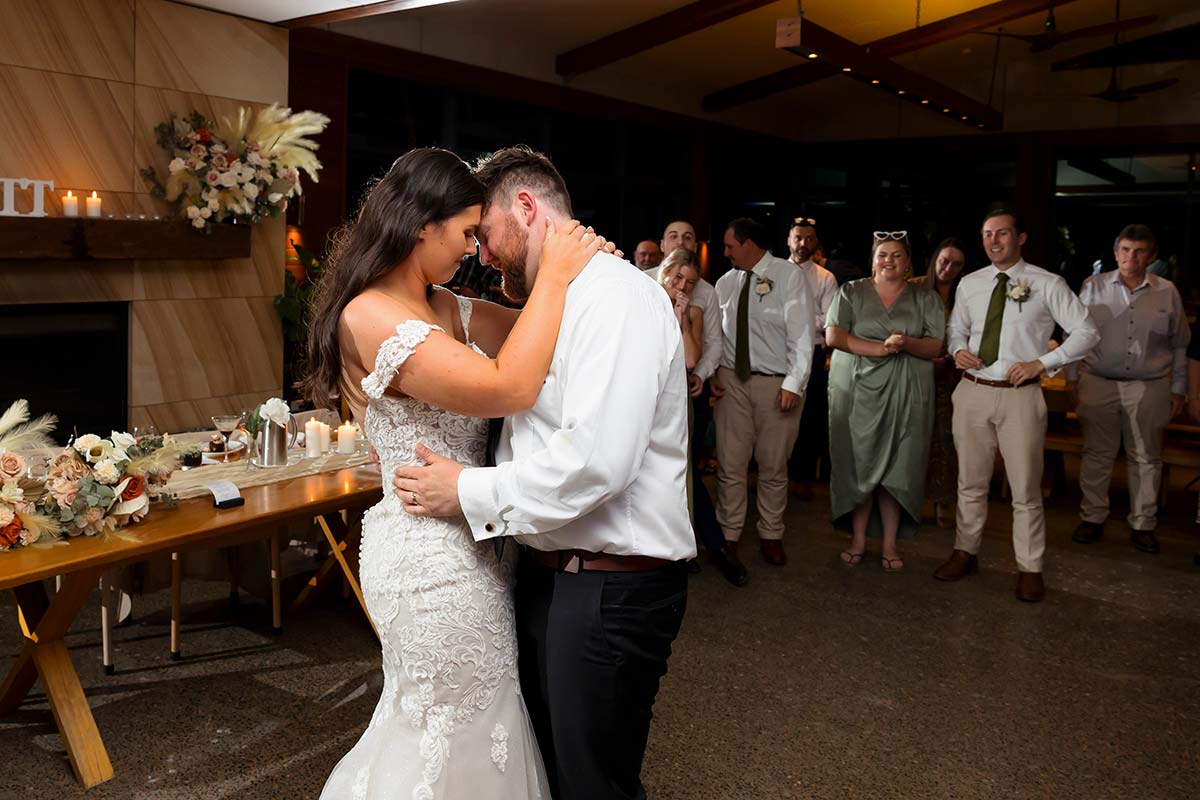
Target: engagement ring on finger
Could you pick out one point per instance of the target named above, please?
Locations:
(413, 497)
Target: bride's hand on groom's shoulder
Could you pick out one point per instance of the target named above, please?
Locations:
(432, 490)
(566, 251)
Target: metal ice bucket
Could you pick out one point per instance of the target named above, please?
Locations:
(275, 441)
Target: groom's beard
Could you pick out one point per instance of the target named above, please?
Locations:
(512, 264)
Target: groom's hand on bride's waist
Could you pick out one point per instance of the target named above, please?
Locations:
(429, 491)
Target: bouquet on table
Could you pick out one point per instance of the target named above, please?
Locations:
(242, 170)
(98, 486)
(21, 521)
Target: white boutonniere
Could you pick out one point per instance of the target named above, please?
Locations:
(763, 288)
(1019, 292)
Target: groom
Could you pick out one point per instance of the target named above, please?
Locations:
(592, 481)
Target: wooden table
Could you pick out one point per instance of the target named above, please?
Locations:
(195, 523)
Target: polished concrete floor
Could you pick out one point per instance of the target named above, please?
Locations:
(815, 681)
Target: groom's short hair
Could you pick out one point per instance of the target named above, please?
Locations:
(520, 167)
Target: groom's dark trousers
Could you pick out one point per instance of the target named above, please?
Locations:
(593, 647)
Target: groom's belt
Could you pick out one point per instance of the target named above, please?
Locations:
(577, 560)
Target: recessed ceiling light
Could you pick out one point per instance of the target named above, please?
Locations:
(945, 111)
(875, 82)
(901, 92)
(964, 119)
(845, 69)
(812, 55)
(924, 102)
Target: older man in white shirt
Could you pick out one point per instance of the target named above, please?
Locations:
(592, 481)
(768, 325)
(1130, 387)
(812, 443)
(1000, 329)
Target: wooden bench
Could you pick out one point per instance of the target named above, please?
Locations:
(1184, 455)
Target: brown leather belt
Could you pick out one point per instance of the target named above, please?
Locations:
(577, 560)
(999, 384)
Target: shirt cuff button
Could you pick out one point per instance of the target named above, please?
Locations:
(490, 528)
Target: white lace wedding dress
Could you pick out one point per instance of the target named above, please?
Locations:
(450, 723)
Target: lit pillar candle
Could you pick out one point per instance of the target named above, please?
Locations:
(326, 444)
(93, 205)
(70, 205)
(346, 439)
(312, 438)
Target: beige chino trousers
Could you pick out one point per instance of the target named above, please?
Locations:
(749, 422)
(1111, 412)
(1014, 420)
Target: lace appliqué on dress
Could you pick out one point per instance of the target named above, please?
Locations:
(499, 746)
(394, 351)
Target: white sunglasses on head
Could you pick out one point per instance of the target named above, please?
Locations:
(896, 235)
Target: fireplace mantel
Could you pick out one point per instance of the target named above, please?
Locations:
(81, 239)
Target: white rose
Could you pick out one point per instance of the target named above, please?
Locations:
(214, 205)
(177, 165)
(6, 515)
(11, 492)
(251, 191)
(274, 197)
(228, 179)
(122, 440)
(106, 472)
(205, 212)
(198, 223)
(193, 212)
(254, 159)
(86, 442)
(276, 411)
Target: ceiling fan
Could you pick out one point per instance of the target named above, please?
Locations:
(1113, 93)
(1052, 36)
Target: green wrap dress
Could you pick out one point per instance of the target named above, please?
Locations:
(881, 409)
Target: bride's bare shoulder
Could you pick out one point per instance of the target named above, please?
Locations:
(373, 315)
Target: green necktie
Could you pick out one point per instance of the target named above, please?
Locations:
(741, 362)
(989, 345)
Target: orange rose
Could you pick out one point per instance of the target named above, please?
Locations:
(10, 534)
(133, 488)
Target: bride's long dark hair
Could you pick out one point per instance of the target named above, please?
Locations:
(423, 186)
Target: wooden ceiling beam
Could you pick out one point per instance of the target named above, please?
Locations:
(346, 14)
(664, 28)
(814, 43)
(888, 47)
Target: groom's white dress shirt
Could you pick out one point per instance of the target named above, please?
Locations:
(599, 463)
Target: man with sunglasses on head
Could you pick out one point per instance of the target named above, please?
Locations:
(812, 444)
(1003, 318)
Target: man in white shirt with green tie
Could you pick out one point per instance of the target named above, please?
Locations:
(767, 321)
(1003, 318)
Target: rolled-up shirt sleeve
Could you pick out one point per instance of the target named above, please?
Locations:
(800, 322)
(617, 372)
(1073, 317)
(1181, 337)
(1087, 296)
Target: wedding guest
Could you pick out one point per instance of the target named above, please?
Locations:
(1130, 386)
(941, 481)
(884, 331)
(647, 255)
(812, 443)
(680, 233)
(767, 321)
(1003, 317)
(680, 275)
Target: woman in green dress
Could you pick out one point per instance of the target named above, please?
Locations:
(884, 331)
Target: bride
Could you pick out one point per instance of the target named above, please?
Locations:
(420, 365)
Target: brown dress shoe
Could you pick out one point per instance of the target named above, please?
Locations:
(1145, 541)
(1088, 532)
(1030, 588)
(772, 550)
(958, 566)
(731, 566)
